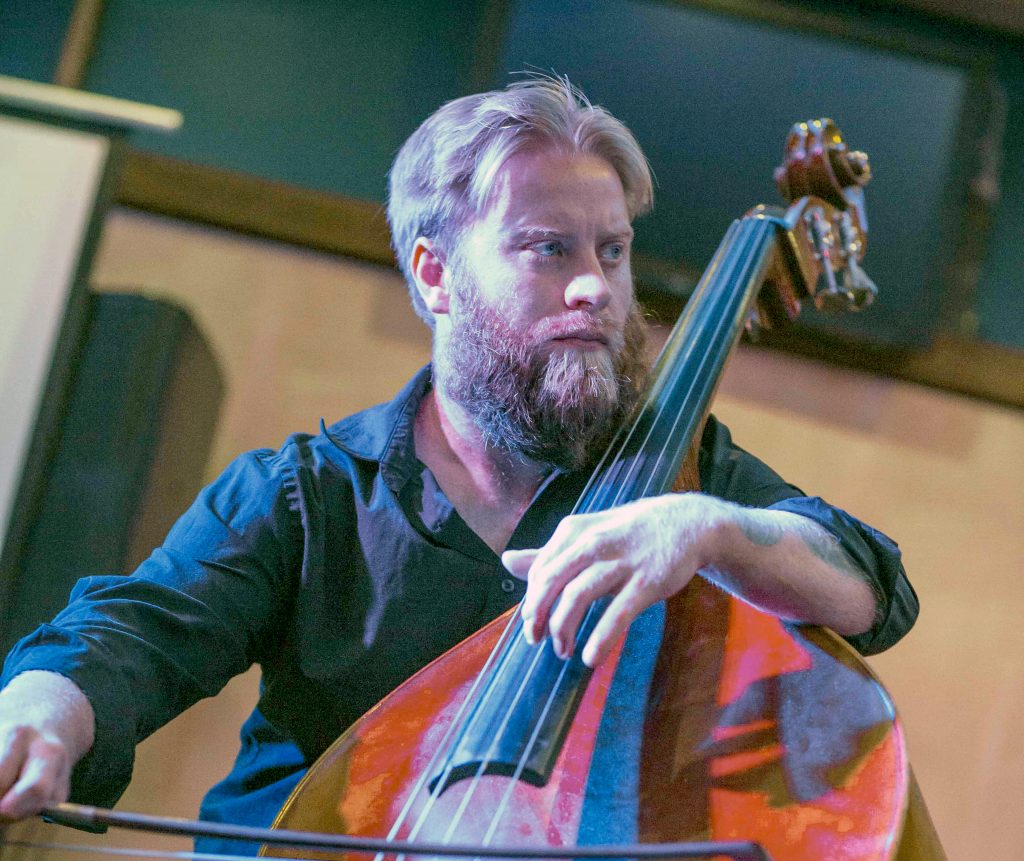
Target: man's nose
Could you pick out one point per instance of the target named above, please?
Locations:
(588, 287)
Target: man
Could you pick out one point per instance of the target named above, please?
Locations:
(344, 562)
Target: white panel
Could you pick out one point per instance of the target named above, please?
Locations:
(49, 178)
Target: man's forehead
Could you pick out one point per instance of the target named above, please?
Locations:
(536, 186)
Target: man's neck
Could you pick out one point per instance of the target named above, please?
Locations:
(490, 489)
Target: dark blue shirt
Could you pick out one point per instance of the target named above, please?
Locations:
(337, 564)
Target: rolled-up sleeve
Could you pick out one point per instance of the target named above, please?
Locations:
(201, 609)
(729, 472)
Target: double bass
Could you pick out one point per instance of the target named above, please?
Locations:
(711, 720)
(713, 728)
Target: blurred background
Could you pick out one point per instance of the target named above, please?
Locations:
(234, 283)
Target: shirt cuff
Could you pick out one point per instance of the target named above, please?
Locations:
(102, 775)
(878, 558)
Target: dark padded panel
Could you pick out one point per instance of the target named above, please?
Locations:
(132, 449)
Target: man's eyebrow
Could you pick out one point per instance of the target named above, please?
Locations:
(532, 233)
(625, 233)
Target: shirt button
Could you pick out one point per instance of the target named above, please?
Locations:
(508, 585)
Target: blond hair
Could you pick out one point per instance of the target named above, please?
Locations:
(444, 173)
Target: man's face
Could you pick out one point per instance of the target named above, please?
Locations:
(543, 344)
(550, 253)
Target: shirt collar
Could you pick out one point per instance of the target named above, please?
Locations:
(384, 433)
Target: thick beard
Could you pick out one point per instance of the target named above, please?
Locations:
(559, 408)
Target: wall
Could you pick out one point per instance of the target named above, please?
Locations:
(302, 335)
(321, 94)
(317, 93)
(31, 35)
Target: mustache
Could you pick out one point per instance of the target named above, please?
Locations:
(579, 324)
(552, 406)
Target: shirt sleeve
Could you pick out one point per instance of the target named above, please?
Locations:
(730, 473)
(199, 611)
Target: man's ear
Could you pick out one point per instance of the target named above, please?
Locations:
(429, 273)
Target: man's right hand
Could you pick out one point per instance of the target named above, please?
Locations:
(46, 725)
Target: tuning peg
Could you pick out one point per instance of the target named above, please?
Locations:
(826, 291)
(860, 290)
(857, 290)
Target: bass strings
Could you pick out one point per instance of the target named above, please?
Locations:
(741, 260)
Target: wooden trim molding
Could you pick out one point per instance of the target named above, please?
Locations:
(358, 229)
(889, 26)
(314, 219)
(275, 210)
(79, 43)
(982, 370)
(1005, 16)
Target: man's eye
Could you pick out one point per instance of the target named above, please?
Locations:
(548, 249)
(614, 252)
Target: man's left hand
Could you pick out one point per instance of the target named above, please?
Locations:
(639, 553)
(646, 551)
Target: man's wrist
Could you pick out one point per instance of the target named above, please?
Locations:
(722, 525)
(53, 704)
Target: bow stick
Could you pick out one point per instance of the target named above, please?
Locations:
(91, 817)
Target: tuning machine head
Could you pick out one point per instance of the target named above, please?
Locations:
(838, 247)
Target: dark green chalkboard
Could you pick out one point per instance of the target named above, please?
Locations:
(319, 93)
